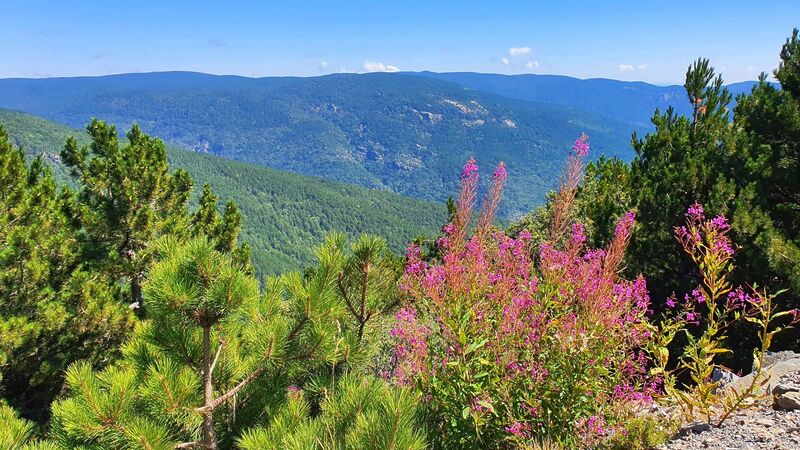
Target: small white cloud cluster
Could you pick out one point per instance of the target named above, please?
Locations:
(374, 66)
(515, 52)
(519, 51)
(631, 67)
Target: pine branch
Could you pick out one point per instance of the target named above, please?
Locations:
(346, 297)
(216, 356)
(296, 329)
(390, 306)
(361, 320)
(219, 400)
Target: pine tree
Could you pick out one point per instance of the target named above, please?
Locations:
(676, 165)
(217, 358)
(206, 219)
(603, 197)
(17, 433)
(367, 279)
(14, 431)
(53, 310)
(128, 199)
(223, 231)
(766, 167)
(748, 170)
(63, 256)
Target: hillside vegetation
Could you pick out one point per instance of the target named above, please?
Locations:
(285, 214)
(404, 133)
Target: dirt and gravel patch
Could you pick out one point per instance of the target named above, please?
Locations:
(772, 424)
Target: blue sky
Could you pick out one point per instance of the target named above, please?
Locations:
(647, 40)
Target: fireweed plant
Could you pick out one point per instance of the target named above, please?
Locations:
(704, 317)
(513, 346)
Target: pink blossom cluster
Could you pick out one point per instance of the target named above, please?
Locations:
(470, 171)
(705, 236)
(412, 350)
(522, 322)
(706, 241)
(581, 146)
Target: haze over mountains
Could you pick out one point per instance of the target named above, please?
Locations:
(408, 133)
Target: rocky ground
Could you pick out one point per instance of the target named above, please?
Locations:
(773, 424)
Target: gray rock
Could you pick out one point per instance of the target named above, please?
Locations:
(758, 428)
(776, 357)
(699, 427)
(764, 422)
(789, 400)
(722, 376)
(783, 388)
(771, 373)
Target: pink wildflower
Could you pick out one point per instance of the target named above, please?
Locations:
(470, 171)
(517, 429)
(578, 233)
(625, 224)
(695, 212)
(581, 145)
(720, 223)
(697, 296)
(723, 245)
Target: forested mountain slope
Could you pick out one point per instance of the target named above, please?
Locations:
(404, 133)
(285, 214)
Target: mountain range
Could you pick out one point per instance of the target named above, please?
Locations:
(408, 133)
(629, 101)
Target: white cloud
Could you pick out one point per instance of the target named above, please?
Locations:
(519, 51)
(631, 67)
(532, 64)
(374, 66)
(323, 65)
(505, 61)
(749, 68)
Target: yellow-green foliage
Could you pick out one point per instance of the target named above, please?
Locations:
(643, 433)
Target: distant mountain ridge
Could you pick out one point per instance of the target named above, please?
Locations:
(405, 133)
(630, 101)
